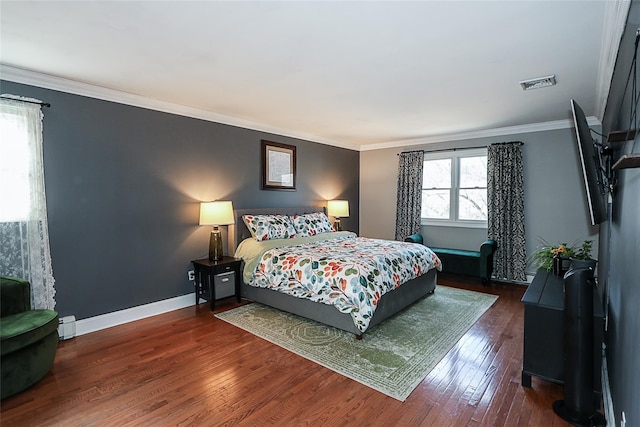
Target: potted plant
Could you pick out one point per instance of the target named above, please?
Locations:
(581, 257)
(555, 257)
(551, 257)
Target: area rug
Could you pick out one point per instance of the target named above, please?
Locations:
(393, 357)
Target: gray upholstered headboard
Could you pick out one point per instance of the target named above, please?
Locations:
(241, 230)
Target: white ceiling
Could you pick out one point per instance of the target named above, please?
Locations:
(356, 74)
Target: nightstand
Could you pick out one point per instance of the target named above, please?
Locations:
(220, 277)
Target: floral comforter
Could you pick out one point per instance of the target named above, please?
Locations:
(351, 273)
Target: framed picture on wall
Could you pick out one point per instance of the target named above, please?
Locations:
(278, 166)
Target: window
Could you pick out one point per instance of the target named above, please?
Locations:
(454, 188)
(14, 169)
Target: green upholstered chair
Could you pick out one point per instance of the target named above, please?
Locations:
(29, 338)
(458, 261)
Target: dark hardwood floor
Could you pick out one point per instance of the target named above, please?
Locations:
(187, 367)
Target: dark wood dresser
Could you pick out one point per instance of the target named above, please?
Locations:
(544, 331)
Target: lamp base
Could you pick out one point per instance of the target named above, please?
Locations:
(337, 225)
(215, 245)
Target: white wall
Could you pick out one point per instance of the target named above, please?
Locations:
(555, 200)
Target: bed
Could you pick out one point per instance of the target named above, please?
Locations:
(387, 305)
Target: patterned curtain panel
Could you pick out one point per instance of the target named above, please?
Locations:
(505, 192)
(409, 194)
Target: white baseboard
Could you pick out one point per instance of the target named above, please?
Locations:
(108, 320)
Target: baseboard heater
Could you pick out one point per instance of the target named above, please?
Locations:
(67, 327)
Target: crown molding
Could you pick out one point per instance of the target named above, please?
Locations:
(615, 19)
(486, 133)
(33, 78)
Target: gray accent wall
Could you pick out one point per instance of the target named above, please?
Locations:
(622, 234)
(123, 189)
(555, 200)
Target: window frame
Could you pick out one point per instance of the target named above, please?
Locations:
(453, 220)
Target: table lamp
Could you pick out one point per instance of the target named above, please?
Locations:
(216, 213)
(338, 209)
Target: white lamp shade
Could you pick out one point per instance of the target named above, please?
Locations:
(216, 213)
(338, 208)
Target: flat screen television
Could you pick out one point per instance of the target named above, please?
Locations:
(592, 170)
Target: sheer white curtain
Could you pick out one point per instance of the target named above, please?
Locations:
(24, 233)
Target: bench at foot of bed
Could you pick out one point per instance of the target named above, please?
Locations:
(458, 261)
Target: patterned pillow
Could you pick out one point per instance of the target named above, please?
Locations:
(312, 224)
(267, 227)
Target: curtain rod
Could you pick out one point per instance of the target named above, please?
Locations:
(462, 148)
(444, 149)
(44, 104)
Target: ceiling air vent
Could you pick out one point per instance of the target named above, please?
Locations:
(539, 82)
